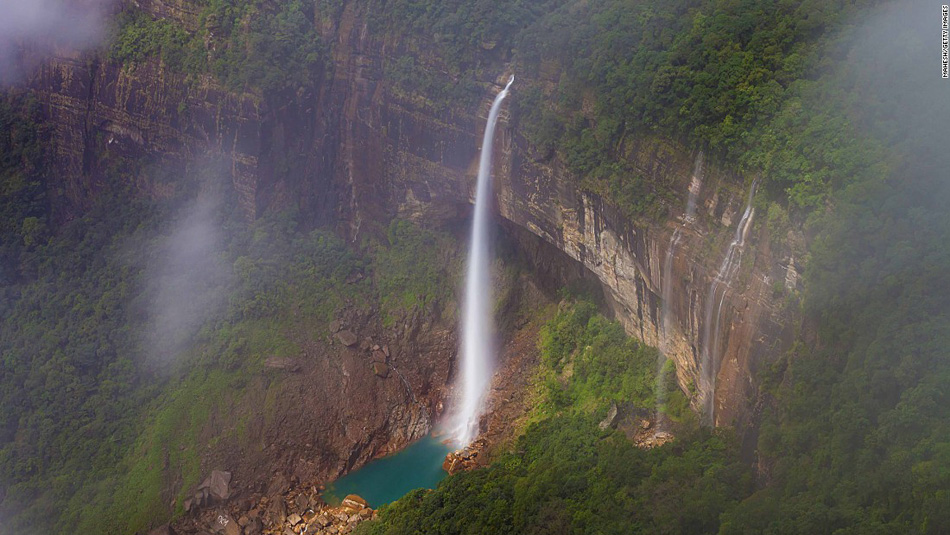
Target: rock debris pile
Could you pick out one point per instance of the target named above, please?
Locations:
(297, 512)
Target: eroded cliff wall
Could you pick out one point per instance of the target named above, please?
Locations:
(355, 152)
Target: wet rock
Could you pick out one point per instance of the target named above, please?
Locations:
(347, 338)
(464, 459)
(381, 369)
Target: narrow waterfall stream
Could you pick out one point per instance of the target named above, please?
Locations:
(477, 325)
(689, 217)
(709, 366)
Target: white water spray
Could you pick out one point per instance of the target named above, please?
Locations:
(477, 325)
(727, 272)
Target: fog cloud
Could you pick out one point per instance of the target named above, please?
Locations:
(32, 29)
(188, 274)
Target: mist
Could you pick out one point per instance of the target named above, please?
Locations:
(187, 277)
(30, 30)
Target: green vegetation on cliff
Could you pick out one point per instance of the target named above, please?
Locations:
(23, 205)
(565, 474)
(246, 44)
(856, 435)
(102, 381)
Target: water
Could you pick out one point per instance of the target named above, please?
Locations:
(477, 325)
(714, 302)
(386, 480)
(695, 185)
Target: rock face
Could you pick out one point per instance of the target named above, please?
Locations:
(354, 153)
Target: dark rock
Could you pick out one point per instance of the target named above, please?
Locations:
(218, 485)
(381, 369)
(323, 520)
(225, 525)
(347, 338)
(254, 527)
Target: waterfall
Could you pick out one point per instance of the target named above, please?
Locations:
(689, 217)
(667, 326)
(695, 184)
(477, 325)
(727, 271)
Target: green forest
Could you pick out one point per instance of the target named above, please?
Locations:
(847, 137)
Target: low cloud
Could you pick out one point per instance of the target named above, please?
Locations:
(33, 29)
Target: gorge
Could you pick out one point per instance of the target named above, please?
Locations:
(638, 196)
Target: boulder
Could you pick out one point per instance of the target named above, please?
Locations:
(379, 356)
(323, 520)
(225, 525)
(217, 485)
(335, 326)
(355, 502)
(294, 519)
(381, 369)
(347, 338)
(386, 350)
(254, 527)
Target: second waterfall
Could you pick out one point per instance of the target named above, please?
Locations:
(477, 325)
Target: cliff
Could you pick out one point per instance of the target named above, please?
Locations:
(355, 152)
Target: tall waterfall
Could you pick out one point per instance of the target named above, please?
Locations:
(667, 326)
(477, 325)
(689, 217)
(714, 301)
